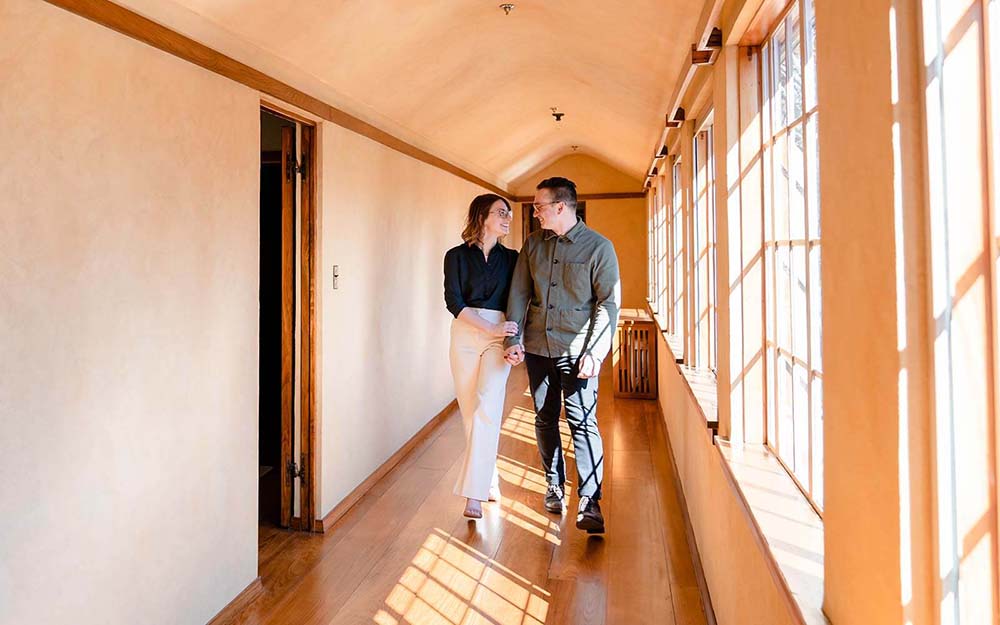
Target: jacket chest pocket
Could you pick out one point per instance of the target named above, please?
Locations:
(576, 277)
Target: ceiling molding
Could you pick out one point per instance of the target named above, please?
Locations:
(635, 195)
(142, 29)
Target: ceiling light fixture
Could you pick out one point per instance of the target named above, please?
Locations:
(507, 7)
(556, 113)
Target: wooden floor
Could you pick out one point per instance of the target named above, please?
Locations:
(404, 553)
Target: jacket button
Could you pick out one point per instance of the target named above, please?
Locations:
(548, 329)
(555, 261)
(553, 284)
(551, 306)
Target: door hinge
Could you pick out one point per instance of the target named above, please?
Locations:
(297, 470)
(294, 166)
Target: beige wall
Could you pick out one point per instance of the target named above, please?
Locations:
(623, 221)
(129, 282)
(387, 222)
(743, 590)
(128, 320)
(591, 175)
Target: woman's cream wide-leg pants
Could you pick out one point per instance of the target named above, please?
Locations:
(480, 374)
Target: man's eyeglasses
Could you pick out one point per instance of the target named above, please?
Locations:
(539, 207)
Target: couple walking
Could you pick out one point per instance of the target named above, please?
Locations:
(554, 307)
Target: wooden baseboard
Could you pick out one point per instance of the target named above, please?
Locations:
(699, 572)
(242, 600)
(344, 506)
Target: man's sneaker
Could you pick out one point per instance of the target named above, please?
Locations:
(554, 498)
(589, 517)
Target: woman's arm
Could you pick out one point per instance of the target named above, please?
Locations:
(504, 328)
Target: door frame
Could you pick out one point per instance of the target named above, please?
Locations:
(308, 462)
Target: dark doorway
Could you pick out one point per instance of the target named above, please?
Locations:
(276, 284)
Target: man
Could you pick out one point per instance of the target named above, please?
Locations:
(564, 298)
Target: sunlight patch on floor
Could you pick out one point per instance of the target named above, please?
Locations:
(450, 583)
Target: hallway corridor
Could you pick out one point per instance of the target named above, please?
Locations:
(404, 553)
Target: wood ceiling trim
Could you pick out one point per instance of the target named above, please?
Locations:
(137, 27)
(593, 196)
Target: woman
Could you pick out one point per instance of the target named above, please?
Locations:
(477, 276)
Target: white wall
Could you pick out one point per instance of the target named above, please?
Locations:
(387, 221)
(128, 328)
(128, 322)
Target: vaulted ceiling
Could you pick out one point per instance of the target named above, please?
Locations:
(461, 79)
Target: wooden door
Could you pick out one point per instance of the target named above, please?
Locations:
(288, 167)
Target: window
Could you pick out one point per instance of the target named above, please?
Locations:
(676, 251)
(704, 251)
(793, 330)
(961, 81)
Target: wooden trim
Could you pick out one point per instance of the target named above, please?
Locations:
(149, 32)
(308, 491)
(764, 21)
(788, 598)
(699, 572)
(250, 594)
(348, 502)
(628, 195)
(287, 320)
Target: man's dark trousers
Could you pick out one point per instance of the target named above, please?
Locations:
(553, 381)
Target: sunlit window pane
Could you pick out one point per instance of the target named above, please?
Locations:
(765, 65)
(817, 440)
(793, 328)
(800, 412)
(800, 298)
(779, 173)
(796, 184)
(812, 181)
(782, 275)
(795, 76)
(779, 75)
(771, 395)
(815, 310)
(786, 424)
(810, 69)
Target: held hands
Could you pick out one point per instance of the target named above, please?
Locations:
(514, 355)
(504, 328)
(590, 367)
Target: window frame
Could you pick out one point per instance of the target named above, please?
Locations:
(791, 338)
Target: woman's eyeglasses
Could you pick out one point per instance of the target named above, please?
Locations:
(503, 213)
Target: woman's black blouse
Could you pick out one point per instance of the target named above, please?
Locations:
(471, 280)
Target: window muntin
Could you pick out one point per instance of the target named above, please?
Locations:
(793, 330)
(962, 84)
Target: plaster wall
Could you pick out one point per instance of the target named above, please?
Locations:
(742, 588)
(623, 220)
(591, 175)
(129, 324)
(387, 222)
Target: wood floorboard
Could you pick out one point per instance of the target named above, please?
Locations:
(686, 597)
(404, 555)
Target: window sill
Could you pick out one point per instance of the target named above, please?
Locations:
(787, 529)
(701, 383)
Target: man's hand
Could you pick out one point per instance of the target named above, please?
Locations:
(590, 367)
(514, 355)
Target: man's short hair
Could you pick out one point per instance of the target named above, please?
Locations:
(563, 190)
